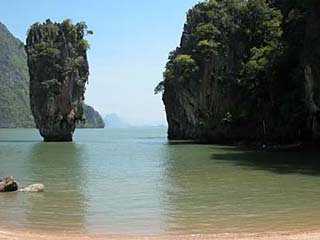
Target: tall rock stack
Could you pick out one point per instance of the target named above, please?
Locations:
(58, 70)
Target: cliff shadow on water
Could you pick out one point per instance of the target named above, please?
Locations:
(226, 189)
(302, 162)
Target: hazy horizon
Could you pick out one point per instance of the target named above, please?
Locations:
(129, 48)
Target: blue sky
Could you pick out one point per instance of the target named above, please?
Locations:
(129, 48)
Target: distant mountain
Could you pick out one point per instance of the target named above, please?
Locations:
(14, 86)
(114, 121)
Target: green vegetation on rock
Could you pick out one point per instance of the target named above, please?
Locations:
(246, 71)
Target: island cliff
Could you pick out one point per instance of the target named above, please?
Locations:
(58, 70)
(246, 71)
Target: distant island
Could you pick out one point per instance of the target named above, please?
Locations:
(112, 120)
(14, 87)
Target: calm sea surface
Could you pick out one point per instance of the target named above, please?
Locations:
(136, 182)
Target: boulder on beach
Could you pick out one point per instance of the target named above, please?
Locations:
(8, 184)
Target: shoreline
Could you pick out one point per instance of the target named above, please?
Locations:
(8, 234)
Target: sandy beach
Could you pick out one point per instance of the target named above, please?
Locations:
(6, 234)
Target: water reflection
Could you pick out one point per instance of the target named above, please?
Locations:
(189, 199)
(134, 182)
(210, 189)
(63, 204)
(61, 165)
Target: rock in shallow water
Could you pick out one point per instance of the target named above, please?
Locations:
(38, 187)
(8, 184)
(58, 70)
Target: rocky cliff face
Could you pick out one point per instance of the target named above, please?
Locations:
(58, 70)
(245, 71)
(14, 83)
(312, 69)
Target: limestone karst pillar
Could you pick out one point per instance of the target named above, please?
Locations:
(59, 70)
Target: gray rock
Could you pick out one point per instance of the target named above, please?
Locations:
(38, 187)
(8, 184)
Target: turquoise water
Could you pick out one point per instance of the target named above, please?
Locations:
(136, 182)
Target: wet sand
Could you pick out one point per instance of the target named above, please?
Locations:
(6, 234)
